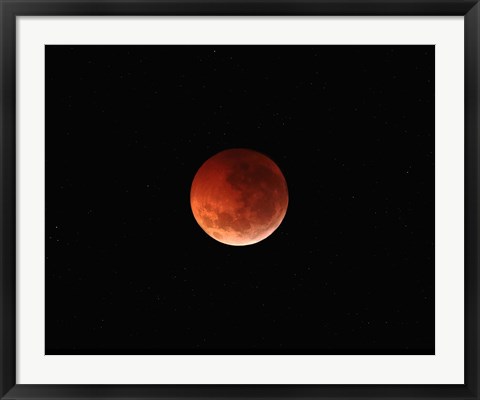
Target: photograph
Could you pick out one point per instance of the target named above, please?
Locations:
(239, 199)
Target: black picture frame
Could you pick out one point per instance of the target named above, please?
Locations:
(10, 9)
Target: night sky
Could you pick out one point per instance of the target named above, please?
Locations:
(349, 271)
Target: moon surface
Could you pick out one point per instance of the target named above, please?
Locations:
(239, 197)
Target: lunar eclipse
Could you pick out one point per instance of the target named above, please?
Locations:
(239, 197)
(341, 263)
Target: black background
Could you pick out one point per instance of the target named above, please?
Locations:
(349, 271)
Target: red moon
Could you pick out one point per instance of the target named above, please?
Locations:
(239, 197)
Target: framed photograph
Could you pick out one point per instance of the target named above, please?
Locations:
(239, 200)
